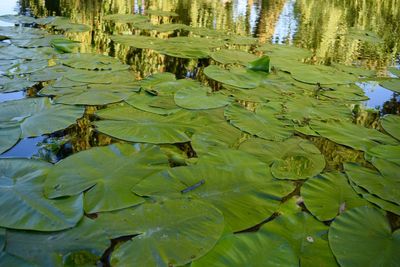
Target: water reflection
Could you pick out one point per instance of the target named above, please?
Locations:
(286, 26)
(11, 96)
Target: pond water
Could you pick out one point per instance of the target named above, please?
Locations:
(205, 131)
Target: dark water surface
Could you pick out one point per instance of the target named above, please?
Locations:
(318, 25)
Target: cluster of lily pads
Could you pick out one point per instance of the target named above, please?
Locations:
(252, 190)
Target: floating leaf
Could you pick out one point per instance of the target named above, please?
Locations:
(55, 248)
(10, 260)
(261, 123)
(37, 116)
(62, 23)
(259, 249)
(384, 187)
(392, 84)
(9, 135)
(391, 124)
(307, 237)
(2, 238)
(23, 204)
(226, 56)
(130, 124)
(352, 135)
(199, 97)
(261, 64)
(395, 71)
(17, 19)
(361, 230)
(238, 77)
(106, 174)
(284, 51)
(162, 105)
(234, 187)
(328, 195)
(93, 62)
(137, 41)
(171, 233)
(8, 85)
(64, 45)
(387, 152)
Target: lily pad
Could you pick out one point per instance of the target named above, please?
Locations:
(392, 84)
(328, 195)
(364, 36)
(391, 124)
(23, 204)
(261, 123)
(93, 62)
(257, 249)
(234, 188)
(387, 152)
(65, 24)
(8, 85)
(395, 71)
(384, 187)
(57, 248)
(37, 116)
(285, 51)
(226, 56)
(106, 174)
(2, 238)
(307, 237)
(361, 230)
(10, 260)
(162, 105)
(172, 233)
(130, 124)
(237, 77)
(352, 135)
(199, 97)
(9, 135)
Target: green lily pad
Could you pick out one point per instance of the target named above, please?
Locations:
(199, 97)
(93, 62)
(162, 105)
(106, 174)
(356, 70)
(2, 238)
(17, 19)
(23, 204)
(64, 45)
(26, 67)
(242, 40)
(172, 233)
(130, 124)
(392, 84)
(37, 116)
(364, 36)
(226, 56)
(9, 135)
(284, 51)
(8, 85)
(384, 187)
(65, 24)
(361, 230)
(395, 71)
(391, 124)
(303, 109)
(387, 152)
(257, 249)
(237, 77)
(381, 203)
(57, 248)
(350, 92)
(10, 260)
(234, 187)
(307, 237)
(352, 135)
(261, 123)
(49, 73)
(328, 195)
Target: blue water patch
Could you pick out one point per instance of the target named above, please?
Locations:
(11, 96)
(25, 148)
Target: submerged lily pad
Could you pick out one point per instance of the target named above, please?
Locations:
(261, 123)
(22, 201)
(391, 124)
(234, 187)
(237, 77)
(306, 236)
(366, 233)
(172, 233)
(106, 174)
(259, 249)
(328, 195)
(352, 135)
